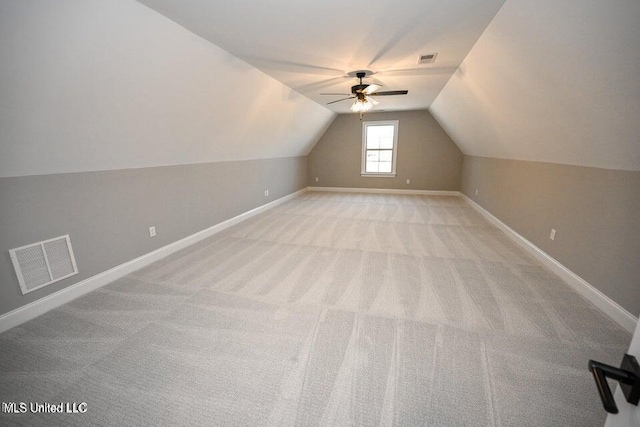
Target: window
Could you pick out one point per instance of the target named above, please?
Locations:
(379, 147)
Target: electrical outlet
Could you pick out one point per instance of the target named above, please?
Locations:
(152, 231)
(476, 191)
(552, 236)
(316, 179)
(266, 193)
(408, 181)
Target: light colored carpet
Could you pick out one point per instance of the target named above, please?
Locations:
(331, 309)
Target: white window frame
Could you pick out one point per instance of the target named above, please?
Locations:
(363, 163)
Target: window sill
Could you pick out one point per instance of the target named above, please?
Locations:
(378, 175)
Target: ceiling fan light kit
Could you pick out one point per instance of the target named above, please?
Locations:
(362, 106)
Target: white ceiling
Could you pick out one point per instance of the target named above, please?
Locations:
(551, 81)
(102, 85)
(311, 45)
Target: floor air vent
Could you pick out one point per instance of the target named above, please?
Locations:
(43, 263)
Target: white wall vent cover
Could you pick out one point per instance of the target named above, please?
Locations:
(43, 263)
(427, 58)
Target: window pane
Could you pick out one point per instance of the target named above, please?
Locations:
(372, 142)
(372, 167)
(386, 155)
(380, 136)
(379, 148)
(386, 143)
(384, 167)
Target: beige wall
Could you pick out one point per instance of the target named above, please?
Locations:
(426, 154)
(596, 213)
(108, 214)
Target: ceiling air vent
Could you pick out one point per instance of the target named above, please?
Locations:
(427, 58)
(43, 263)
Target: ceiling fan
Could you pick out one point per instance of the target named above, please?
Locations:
(363, 94)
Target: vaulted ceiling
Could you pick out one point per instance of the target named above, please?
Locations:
(543, 80)
(551, 81)
(202, 81)
(99, 85)
(310, 46)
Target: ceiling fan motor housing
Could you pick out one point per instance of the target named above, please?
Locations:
(358, 88)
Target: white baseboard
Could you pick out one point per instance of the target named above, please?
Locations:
(385, 191)
(611, 308)
(63, 296)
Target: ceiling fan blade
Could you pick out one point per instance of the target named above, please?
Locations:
(390, 92)
(343, 99)
(371, 88)
(333, 94)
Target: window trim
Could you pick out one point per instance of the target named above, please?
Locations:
(363, 161)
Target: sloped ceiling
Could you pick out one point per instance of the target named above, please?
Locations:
(552, 81)
(311, 45)
(99, 85)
